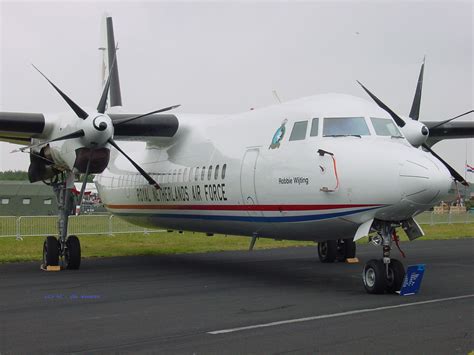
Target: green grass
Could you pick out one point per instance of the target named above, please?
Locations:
(30, 249)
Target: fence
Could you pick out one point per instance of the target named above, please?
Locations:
(26, 226)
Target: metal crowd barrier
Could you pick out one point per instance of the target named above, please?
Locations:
(26, 226)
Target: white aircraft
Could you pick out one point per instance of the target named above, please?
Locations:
(328, 168)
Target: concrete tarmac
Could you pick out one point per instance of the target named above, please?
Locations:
(181, 304)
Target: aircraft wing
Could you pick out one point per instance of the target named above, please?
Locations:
(152, 126)
(20, 128)
(450, 130)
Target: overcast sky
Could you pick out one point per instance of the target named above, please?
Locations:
(225, 57)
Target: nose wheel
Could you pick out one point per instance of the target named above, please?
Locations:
(384, 275)
(72, 253)
(67, 248)
(51, 251)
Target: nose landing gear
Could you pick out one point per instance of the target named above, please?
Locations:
(384, 275)
(67, 249)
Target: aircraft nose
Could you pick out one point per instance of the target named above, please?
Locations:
(424, 180)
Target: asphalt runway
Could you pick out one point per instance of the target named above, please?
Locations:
(196, 303)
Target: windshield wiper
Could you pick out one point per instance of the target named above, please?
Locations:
(343, 135)
(396, 137)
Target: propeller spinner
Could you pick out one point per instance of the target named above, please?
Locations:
(96, 130)
(416, 132)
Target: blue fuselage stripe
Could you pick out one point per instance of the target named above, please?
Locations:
(262, 219)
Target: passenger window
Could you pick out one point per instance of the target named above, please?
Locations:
(345, 126)
(203, 172)
(196, 174)
(299, 131)
(185, 175)
(385, 127)
(314, 127)
(209, 173)
(224, 168)
(216, 173)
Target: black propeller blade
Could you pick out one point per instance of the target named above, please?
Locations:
(462, 114)
(453, 172)
(125, 120)
(84, 183)
(415, 107)
(76, 134)
(150, 180)
(79, 111)
(105, 93)
(399, 121)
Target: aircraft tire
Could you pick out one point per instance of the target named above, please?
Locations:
(50, 251)
(349, 248)
(397, 275)
(375, 280)
(327, 251)
(72, 254)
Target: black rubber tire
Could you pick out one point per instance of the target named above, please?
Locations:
(340, 250)
(375, 280)
(72, 254)
(50, 252)
(396, 276)
(349, 248)
(327, 251)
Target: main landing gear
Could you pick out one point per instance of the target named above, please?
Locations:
(384, 275)
(64, 248)
(340, 250)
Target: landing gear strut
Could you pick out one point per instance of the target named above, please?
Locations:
(68, 249)
(384, 275)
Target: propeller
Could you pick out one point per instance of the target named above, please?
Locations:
(84, 183)
(414, 115)
(102, 127)
(129, 119)
(415, 106)
(443, 122)
(77, 134)
(398, 120)
(78, 111)
(150, 180)
(453, 172)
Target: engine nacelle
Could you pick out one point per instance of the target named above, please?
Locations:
(415, 132)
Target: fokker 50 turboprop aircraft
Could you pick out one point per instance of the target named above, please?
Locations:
(327, 168)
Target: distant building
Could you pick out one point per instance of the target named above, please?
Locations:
(21, 198)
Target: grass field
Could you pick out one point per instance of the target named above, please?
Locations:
(29, 249)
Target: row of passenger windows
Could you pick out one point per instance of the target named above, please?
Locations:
(342, 126)
(194, 174)
(181, 175)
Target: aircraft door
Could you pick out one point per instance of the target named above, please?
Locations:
(247, 179)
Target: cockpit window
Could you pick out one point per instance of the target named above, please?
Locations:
(385, 127)
(299, 131)
(345, 126)
(314, 127)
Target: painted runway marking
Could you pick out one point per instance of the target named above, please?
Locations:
(334, 315)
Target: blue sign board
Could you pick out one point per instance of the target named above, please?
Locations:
(412, 282)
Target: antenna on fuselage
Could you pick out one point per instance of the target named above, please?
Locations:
(275, 94)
